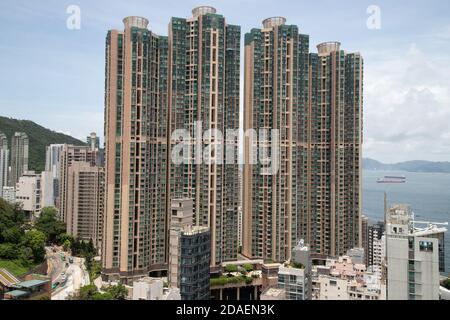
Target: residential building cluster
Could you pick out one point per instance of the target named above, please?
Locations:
(287, 225)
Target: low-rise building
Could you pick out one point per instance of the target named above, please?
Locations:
(28, 193)
(153, 289)
(341, 279)
(413, 256)
(294, 276)
(35, 287)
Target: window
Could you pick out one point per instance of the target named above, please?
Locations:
(426, 246)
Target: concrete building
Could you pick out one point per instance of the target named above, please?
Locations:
(85, 202)
(153, 289)
(189, 253)
(52, 164)
(273, 294)
(374, 234)
(4, 162)
(19, 157)
(136, 155)
(342, 279)
(294, 276)
(68, 155)
(47, 189)
(378, 255)
(203, 99)
(29, 192)
(9, 194)
(412, 256)
(357, 255)
(93, 141)
(276, 58)
(365, 237)
(329, 159)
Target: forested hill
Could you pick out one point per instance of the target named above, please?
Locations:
(408, 166)
(39, 137)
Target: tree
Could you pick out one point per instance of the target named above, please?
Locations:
(446, 283)
(231, 268)
(8, 251)
(248, 267)
(118, 292)
(49, 224)
(35, 240)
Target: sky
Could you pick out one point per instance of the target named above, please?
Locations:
(54, 75)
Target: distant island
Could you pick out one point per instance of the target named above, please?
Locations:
(408, 166)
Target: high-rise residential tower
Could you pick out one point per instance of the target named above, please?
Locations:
(329, 158)
(4, 157)
(19, 157)
(85, 198)
(135, 220)
(276, 60)
(52, 165)
(69, 155)
(93, 141)
(204, 73)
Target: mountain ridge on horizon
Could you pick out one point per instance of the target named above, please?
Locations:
(408, 166)
(39, 138)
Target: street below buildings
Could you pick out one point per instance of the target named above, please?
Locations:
(68, 277)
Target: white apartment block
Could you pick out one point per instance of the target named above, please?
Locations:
(412, 257)
(28, 192)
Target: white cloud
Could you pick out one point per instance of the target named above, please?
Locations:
(407, 106)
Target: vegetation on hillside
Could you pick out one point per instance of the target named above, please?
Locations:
(21, 248)
(39, 138)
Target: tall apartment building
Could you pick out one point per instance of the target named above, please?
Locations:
(413, 256)
(135, 221)
(189, 253)
(329, 156)
(19, 157)
(4, 158)
(204, 82)
(69, 155)
(52, 164)
(276, 70)
(85, 198)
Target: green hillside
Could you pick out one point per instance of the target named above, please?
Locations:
(39, 137)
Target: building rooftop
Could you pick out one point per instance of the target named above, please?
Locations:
(7, 279)
(17, 293)
(31, 283)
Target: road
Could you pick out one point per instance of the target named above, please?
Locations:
(76, 274)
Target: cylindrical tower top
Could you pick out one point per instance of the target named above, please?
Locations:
(273, 21)
(328, 47)
(199, 11)
(134, 21)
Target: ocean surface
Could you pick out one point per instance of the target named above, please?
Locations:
(428, 195)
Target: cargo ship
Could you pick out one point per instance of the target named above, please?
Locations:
(392, 179)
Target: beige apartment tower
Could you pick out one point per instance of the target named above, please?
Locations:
(329, 158)
(276, 58)
(204, 74)
(135, 220)
(315, 102)
(85, 198)
(70, 154)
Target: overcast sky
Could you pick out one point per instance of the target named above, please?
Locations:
(55, 76)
